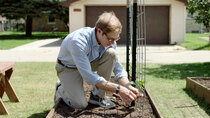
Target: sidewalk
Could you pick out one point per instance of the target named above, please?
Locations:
(47, 51)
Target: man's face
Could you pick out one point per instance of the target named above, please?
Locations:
(108, 39)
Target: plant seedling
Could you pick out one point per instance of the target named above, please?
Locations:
(139, 85)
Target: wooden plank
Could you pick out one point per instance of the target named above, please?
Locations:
(3, 109)
(2, 83)
(6, 66)
(10, 91)
(6, 70)
(1, 89)
(154, 106)
(197, 88)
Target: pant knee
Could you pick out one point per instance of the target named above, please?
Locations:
(80, 105)
(112, 53)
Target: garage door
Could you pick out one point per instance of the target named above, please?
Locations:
(92, 13)
(157, 24)
(157, 19)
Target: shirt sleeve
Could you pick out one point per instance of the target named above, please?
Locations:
(78, 52)
(119, 70)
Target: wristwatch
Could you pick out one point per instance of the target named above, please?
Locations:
(117, 89)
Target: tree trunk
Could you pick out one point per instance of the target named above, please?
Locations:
(28, 26)
(208, 30)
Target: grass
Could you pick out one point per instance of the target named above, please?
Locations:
(10, 40)
(167, 85)
(34, 84)
(194, 42)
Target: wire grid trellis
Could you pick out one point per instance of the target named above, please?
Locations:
(136, 31)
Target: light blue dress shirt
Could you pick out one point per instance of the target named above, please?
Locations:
(80, 48)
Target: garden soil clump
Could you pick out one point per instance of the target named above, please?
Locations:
(92, 111)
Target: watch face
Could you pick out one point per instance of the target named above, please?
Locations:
(118, 88)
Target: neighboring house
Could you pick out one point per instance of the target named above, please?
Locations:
(192, 26)
(8, 24)
(165, 19)
(48, 24)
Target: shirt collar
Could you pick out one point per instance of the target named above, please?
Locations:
(94, 41)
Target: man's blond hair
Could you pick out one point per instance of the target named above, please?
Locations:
(108, 22)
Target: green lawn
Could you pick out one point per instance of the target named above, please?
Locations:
(167, 85)
(34, 84)
(194, 42)
(10, 40)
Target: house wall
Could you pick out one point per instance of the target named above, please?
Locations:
(177, 15)
(193, 27)
(42, 25)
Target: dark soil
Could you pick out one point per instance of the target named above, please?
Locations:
(204, 81)
(143, 109)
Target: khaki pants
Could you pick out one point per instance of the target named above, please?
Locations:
(71, 89)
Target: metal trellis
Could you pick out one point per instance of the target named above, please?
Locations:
(136, 43)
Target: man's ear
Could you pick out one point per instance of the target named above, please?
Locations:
(99, 30)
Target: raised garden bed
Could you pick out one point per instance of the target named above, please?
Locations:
(200, 86)
(150, 110)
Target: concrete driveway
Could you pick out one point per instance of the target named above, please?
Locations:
(47, 51)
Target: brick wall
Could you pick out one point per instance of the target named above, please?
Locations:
(42, 25)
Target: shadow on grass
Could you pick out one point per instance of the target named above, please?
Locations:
(36, 35)
(39, 115)
(203, 47)
(201, 102)
(180, 71)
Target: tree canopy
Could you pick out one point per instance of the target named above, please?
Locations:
(29, 9)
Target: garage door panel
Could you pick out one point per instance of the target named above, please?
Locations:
(157, 24)
(157, 21)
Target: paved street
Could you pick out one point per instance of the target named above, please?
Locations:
(47, 51)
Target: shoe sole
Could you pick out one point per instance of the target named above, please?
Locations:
(96, 103)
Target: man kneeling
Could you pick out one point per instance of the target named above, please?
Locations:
(90, 54)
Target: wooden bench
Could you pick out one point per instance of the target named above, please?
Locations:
(6, 70)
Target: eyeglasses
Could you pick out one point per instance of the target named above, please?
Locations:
(112, 39)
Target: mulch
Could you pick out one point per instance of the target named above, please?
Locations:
(142, 109)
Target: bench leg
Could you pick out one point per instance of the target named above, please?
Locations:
(1, 89)
(3, 109)
(10, 91)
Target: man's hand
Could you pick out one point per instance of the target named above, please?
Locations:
(124, 82)
(135, 91)
(127, 95)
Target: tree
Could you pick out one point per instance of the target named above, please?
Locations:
(29, 9)
(200, 10)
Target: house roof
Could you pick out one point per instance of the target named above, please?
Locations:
(184, 1)
(68, 2)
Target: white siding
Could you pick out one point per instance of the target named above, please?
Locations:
(177, 15)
